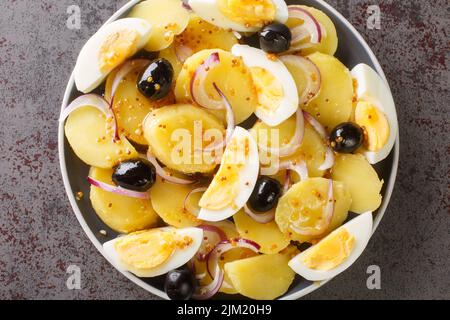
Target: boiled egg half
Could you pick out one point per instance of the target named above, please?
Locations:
(107, 49)
(154, 252)
(276, 89)
(233, 184)
(241, 15)
(375, 113)
(336, 252)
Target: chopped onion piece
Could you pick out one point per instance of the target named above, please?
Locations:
(183, 52)
(164, 174)
(91, 100)
(197, 85)
(262, 218)
(118, 190)
(295, 143)
(328, 213)
(123, 71)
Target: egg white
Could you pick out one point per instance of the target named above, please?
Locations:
(361, 228)
(208, 10)
(88, 75)
(372, 88)
(254, 57)
(247, 181)
(178, 258)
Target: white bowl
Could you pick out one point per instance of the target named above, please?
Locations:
(74, 172)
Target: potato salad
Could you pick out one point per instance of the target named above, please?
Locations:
(227, 145)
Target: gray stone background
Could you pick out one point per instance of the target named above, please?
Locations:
(40, 237)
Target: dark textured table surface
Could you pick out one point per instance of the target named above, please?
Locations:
(40, 237)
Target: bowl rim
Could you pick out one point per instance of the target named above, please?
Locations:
(87, 230)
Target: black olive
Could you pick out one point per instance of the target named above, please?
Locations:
(275, 38)
(156, 81)
(136, 175)
(347, 137)
(180, 284)
(265, 195)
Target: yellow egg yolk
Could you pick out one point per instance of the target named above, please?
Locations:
(330, 252)
(117, 48)
(268, 88)
(250, 13)
(225, 186)
(375, 125)
(149, 249)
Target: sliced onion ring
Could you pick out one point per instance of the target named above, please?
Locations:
(300, 168)
(309, 23)
(197, 85)
(118, 190)
(91, 100)
(231, 123)
(186, 200)
(299, 33)
(295, 143)
(186, 5)
(164, 174)
(262, 218)
(208, 291)
(123, 71)
(313, 76)
(328, 213)
(329, 155)
(227, 245)
(287, 181)
(219, 237)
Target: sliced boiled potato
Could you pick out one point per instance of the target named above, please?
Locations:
(312, 149)
(361, 179)
(90, 135)
(231, 76)
(263, 277)
(267, 235)
(198, 35)
(168, 18)
(120, 213)
(329, 42)
(334, 103)
(172, 131)
(130, 106)
(303, 205)
(168, 202)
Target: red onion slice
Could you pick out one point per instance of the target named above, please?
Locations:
(299, 33)
(87, 100)
(123, 71)
(328, 213)
(118, 190)
(262, 218)
(227, 245)
(196, 211)
(300, 168)
(313, 76)
(164, 174)
(287, 181)
(295, 143)
(183, 52)
(185, 4)
(212, 236)
(231, 123)
(92, 100)
(329, 155)
(208, 291)
(309, 23)
(197, 85)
